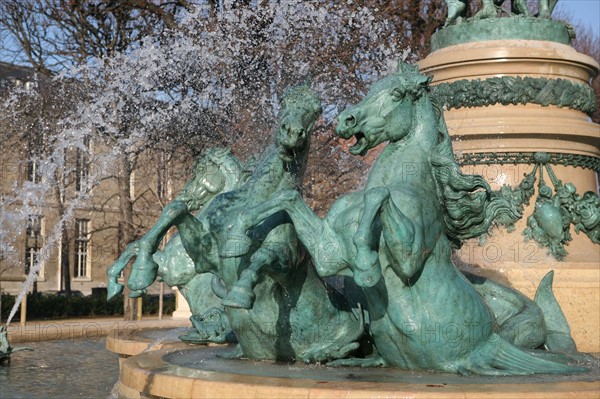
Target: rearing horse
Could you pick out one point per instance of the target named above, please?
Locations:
(287, 312)
(396, 236)
(216, 171)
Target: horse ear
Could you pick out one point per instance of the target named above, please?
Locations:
(423, 81)
(405, 67)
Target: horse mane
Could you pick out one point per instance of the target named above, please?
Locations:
(470, 206)
(301, 94)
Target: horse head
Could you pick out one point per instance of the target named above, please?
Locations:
(217, 170)
(386, 113)
(300, 110)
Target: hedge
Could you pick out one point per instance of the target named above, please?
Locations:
(40, 307)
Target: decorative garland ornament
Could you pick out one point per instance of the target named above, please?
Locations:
(528, 158)
(515, 90)
(554, 211)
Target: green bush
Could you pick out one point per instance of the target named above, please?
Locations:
(41, 307)
(150, 304)
(8, 301)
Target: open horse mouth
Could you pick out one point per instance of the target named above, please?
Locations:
(361, 146)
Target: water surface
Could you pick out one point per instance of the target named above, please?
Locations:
(61, 369)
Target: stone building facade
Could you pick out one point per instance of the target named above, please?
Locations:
(94, 228)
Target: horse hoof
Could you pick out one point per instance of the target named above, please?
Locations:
(143, 273)
(235, 246)
(114, 290)
(137, 293)
(239, 298)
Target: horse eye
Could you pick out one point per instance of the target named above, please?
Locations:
(397, 93)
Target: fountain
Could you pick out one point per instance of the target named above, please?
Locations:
(374, 282)
(402, 302)
(518, 100)
(5, 349)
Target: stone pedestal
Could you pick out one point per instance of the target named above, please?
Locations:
(512, 98)
(182, 307)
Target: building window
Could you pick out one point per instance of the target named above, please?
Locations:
(162, 177)
(34, 150)
(33, 242)
(33, 171)
(82, 166)
(120, 244)
(82, 240)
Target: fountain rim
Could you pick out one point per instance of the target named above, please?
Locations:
(151, 374)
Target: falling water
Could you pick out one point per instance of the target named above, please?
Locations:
(192, 82)
(168, 335)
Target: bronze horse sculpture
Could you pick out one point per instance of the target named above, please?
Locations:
(215, 171)
(396, 237)
(276, 304)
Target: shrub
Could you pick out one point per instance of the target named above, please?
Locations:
(7, 303)
(41, 306)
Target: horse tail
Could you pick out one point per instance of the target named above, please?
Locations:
(516, 361)
(558, 333)
(113, 273)
(499, 357)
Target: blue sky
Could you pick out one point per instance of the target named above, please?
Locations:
(585, 12)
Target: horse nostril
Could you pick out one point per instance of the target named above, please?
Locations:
(350, 120)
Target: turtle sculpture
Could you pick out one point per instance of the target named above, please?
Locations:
(5, 349)
(457, 9)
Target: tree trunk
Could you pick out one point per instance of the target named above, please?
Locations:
(130, 307)
(65, 269)
(65, 244)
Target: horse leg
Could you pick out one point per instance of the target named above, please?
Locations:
(192, 233)
(403, 240)
(242, 294)
(144, 268)
(245, 219)
(368, 270)
(318, 240)
(113, 273)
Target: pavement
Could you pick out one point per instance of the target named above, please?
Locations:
(47, 330)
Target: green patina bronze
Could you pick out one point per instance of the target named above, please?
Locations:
(201, 291)
(403, 302)
(492, 9)
(550, 223)
(274, 301)
(515, 90)
(5, 349)
(395, 239)
(555, 211)
(528, 158)
(512, 27)
(216, 171)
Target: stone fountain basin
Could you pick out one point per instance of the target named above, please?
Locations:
(196, 372)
